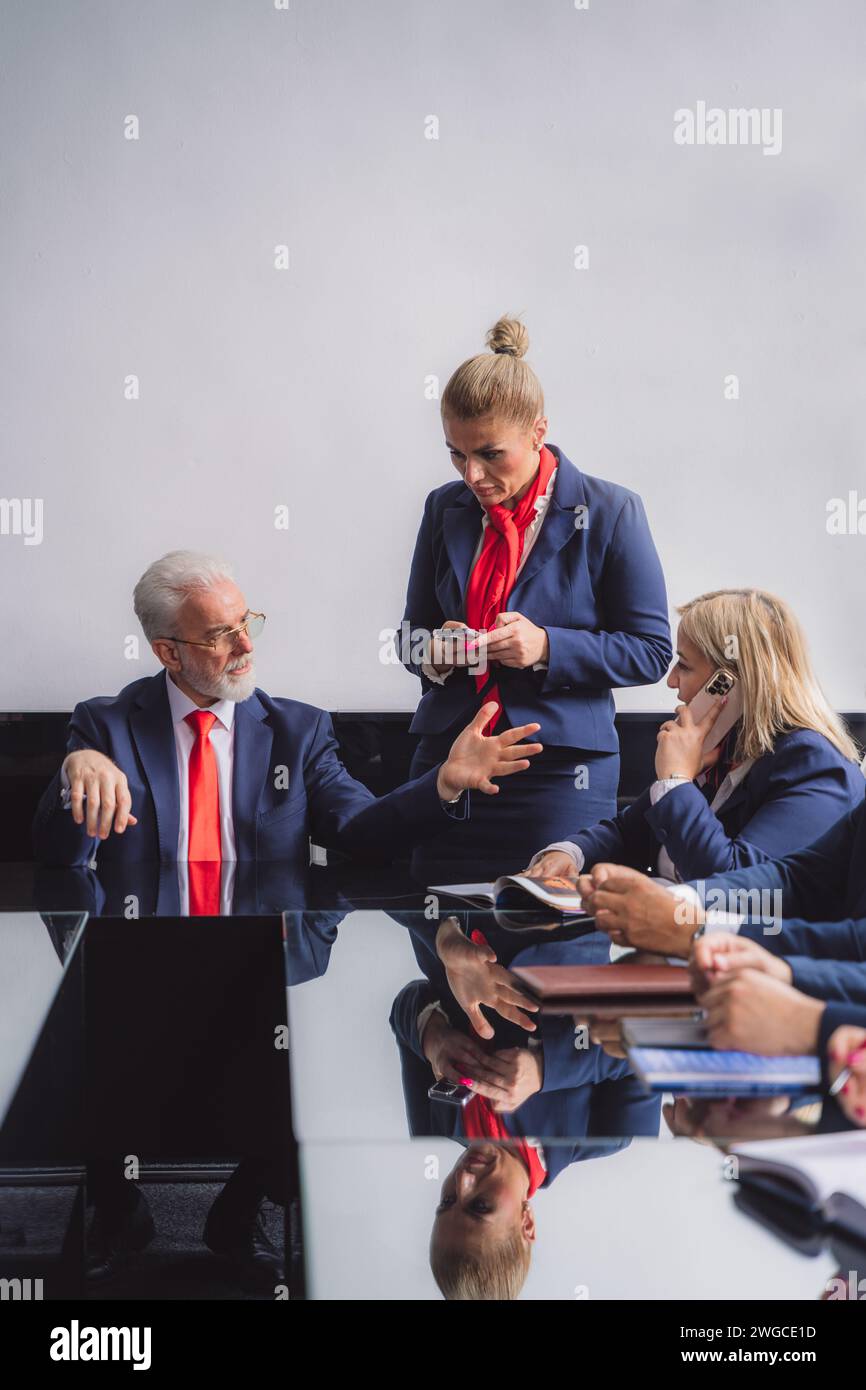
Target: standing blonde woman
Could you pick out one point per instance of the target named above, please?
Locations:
(559, 573)
(785, 772)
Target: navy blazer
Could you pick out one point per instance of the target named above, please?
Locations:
(594, 582)
(823, 907)
(837, 1015)
(590, 1104)
(786, 800)
(827, 959)
(279, 742)
(826, 882)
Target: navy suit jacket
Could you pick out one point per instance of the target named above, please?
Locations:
(590, 1104)
(827, 959)
(786, 800)
(597, 588)
(823, 910)
(314, 796)
(825, 882)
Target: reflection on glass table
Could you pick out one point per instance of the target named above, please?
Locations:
(655, 1221)
(41, 1086)
(473, 1202)
(390, 1017)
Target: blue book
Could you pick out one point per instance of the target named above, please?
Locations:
(707, 1072)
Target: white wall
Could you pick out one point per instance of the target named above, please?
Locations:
(305, 387)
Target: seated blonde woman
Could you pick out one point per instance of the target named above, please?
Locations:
(784, 773)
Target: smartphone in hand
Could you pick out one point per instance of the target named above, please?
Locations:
(720, 683)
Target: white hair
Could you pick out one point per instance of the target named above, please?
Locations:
(165, 584)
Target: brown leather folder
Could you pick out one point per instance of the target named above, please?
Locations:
(629, 988)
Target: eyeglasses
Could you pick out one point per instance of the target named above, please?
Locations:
(252, 627)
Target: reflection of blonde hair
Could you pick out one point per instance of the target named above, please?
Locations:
(497, 382)
(757, 637)
(497, 1276)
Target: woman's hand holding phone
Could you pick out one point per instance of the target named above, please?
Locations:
(446, 653)
(679, 751)
(517, 642)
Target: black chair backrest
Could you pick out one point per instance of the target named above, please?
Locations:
(376, 748)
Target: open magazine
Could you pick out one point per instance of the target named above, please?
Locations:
(517, 900)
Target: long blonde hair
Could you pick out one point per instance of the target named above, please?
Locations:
(757, 637)
(497, 382)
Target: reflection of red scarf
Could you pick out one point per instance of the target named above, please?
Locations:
(481, 1122)
(495, 570)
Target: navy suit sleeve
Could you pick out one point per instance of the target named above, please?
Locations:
(56, 837)
(404, 1015)
(624, 839)
(417, 1074)
(829, 979)
(827, 959)
(635, 647)
(621, 1107)
(422, 611)
(838, 1014)
(807, 789)
(836, 941)
(567, 1066)
(345, 815)
(811, 882)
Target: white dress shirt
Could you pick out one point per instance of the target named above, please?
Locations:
(530, 536)
(222, 739)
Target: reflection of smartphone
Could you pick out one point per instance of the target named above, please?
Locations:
(721, 683)
(450, 1091)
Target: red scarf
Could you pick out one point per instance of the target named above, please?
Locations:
(495, 570)
(481, 1122)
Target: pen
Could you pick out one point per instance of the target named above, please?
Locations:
(845, 1074)
(841, 1080)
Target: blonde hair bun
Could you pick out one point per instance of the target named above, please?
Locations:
(498, 383)
(508, 336)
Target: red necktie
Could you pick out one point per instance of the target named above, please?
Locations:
(204, 850)
(495, 570)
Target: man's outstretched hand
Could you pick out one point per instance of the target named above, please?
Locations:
(474, 760)
(475, 979)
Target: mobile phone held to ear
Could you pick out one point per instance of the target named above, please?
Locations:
(720, 683)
